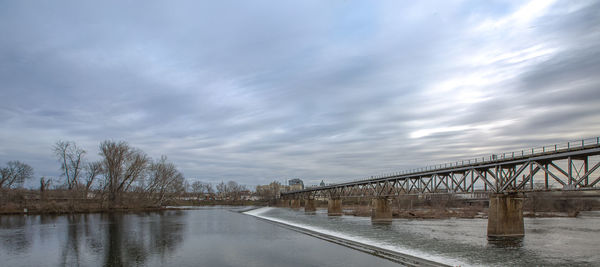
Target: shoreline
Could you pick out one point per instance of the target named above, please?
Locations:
(78, 209)
(449, 213)
(358, 211)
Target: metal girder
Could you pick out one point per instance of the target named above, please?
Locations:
(514, 176)
(551, 174)
(511, 175)
(587, 173)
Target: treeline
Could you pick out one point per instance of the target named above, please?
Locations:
(123, 175)
(224, 191)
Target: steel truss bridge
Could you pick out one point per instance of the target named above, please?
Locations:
(569, 166)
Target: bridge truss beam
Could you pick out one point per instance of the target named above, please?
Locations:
(569, 170)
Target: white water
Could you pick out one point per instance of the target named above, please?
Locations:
(420, 254)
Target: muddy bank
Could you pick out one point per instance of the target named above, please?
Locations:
(535, 204)
(98, 206)
(61, 208)
(365, 211)
(463, 213)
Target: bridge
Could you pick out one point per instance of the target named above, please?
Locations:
(504, 178)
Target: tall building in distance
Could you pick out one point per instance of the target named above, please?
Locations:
(296, 184)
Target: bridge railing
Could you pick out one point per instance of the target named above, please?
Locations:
(534, 151)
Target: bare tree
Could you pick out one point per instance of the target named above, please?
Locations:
(202, 189)
(164, 178)
(263, 191)
(208, 189)
(45, 184)
(222, 190)
(122, 165)
(92, 170)
(235, 190)
(177, 186)
(71, 159)
(197, 189)
(14, 174)
(231, 190)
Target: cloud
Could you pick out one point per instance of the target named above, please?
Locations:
(269, 90)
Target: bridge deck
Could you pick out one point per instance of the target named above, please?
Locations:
(496, 173)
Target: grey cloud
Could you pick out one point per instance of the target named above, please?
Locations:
(268, 90)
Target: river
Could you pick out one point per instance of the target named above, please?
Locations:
(547, 242)
(201, 237)
(222, 236)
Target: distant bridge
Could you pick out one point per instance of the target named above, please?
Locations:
(503, 176)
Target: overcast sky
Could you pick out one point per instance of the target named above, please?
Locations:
(256, 91)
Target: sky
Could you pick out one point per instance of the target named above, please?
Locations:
(256, 91)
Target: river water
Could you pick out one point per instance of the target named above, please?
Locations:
(547, 241)
(221, 236)
(200, 237)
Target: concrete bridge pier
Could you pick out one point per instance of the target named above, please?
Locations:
(295, 203)
(334, 207)
(309, 205)
(505, 216)
(280, 202)
(381, 211)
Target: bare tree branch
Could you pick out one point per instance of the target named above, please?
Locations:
(122, 166)
(71, 158)
(15, 174)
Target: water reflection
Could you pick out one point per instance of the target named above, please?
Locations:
(70, 252)
(114, 236)
(207, 237)
(115, 239)
(19, 241)
(132, 240)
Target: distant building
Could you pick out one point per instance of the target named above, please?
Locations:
(296, 184)
(247, 195)
(285, 188)
(322, 183)
(270, 191)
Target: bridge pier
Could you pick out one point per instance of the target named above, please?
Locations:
(309, 205)
(505, 216)
(381, 211)
(295, 203)
(334, 207)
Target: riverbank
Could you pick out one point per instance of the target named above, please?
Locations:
(98, 206)
(459, 213)
(58, 209)
(27, 201)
